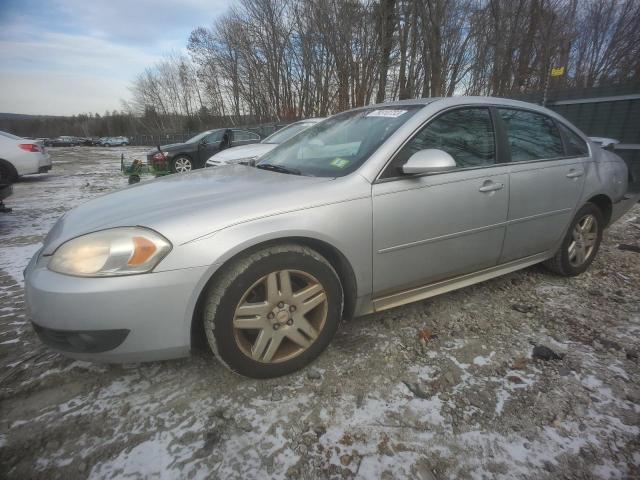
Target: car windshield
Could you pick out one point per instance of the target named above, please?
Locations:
(9, 135)
(287, 132)
(340, 144)
(199, 137)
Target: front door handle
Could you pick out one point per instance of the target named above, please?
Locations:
(491, 187)
(575, 173)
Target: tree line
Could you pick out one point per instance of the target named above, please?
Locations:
(279, 60)
(286, 59)
(109, 124)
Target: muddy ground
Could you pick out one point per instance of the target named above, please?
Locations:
(445, 388)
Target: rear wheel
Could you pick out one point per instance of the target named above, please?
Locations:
(181, 164)
(8, 173)
(581, 243)
(274, 311)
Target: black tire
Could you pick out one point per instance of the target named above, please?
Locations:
(561, 263)
(8, 173)
(223, 296)
(182, 158)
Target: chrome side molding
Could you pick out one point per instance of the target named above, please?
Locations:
(433, 289)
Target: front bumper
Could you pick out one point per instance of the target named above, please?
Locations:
(81, 341)
(45, 160)
(119, 319)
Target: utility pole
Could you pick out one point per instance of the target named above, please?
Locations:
(553, 72)
(546, 86)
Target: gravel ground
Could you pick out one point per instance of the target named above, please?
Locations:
(445, 388)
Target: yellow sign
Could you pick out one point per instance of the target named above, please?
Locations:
(556, 72)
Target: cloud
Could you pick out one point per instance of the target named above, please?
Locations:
(73, 56)
(146, 22)
(62, 74)
(69, 52)
(46, 93)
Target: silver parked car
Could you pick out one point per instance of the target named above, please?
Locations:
(370, 209)
(250, 153)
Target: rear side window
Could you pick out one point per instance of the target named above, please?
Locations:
(243, 135)
(465, 133)
(531, 136)
(574, 145)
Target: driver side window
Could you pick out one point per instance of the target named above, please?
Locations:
(214, 137)
(465, 133)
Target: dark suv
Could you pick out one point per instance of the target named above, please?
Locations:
(192, 154)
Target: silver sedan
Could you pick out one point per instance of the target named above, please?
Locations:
(372, 208)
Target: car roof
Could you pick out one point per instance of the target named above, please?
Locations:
(310, 120)
(409, 101)
(462, 100)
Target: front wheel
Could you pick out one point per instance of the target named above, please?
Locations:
(273, 311)
(181, 164)
(581, 243)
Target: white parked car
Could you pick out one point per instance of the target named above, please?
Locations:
(19, 156)
(249, 153)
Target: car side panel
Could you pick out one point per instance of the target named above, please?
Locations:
(437, 226)
(346, 226)
(544, 197)
(607, 175)
(25, 163)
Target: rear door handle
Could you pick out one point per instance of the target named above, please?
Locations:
(491, 187)
(575, 173)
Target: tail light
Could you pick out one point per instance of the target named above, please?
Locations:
(30, 147)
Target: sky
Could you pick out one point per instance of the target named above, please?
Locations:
(64, 57)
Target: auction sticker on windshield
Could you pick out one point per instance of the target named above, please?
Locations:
(340, 162)
(386, 113)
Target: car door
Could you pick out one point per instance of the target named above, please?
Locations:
(432, 227)
(209, 146)
(546, 183)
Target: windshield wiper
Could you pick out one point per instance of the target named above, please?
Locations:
(278, 168)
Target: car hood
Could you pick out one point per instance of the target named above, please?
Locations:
(232, 155)
(185, 207)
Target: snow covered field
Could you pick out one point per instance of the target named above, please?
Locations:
(445, 388)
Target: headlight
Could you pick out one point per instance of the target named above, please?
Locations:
(117, 251)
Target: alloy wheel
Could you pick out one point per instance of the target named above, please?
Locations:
(280, 316)
(585, 235)
(182, 165)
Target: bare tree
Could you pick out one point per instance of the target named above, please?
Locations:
(283, 59)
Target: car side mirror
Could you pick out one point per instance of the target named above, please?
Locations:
(430, 160)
